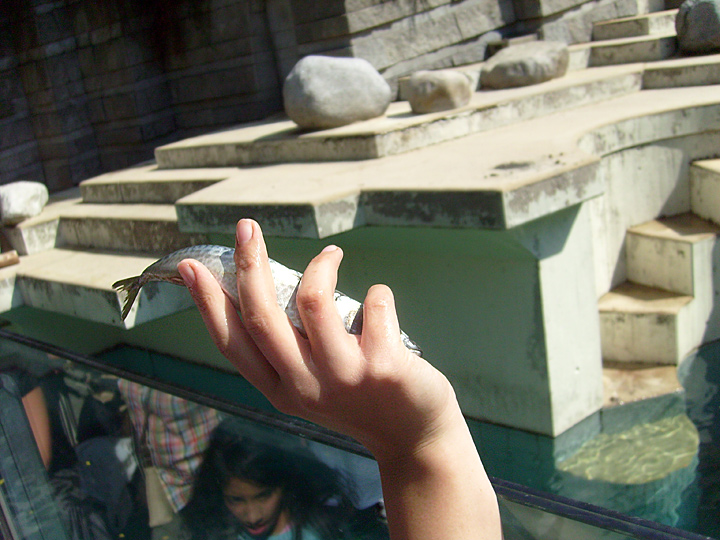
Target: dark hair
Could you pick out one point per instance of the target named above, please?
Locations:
(314, 495)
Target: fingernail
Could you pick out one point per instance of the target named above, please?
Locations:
(329, 248)
(244, 231)
(187, 273)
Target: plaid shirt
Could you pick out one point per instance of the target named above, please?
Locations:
(177, 432)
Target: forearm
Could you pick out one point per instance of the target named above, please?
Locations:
(441, 491)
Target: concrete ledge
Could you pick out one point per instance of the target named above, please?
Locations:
(400, 131)
(623, 51)
(667, 254)
(39, 233)
(136, 227)
(705, 189)
(679, 72)
(475, 181)
(659, 22)
(149, 185)
(79, 283)
(641, 324)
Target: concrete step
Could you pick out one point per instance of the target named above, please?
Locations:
(79, 284)
(39, 233)
(674, 254)
(666, 308)
(659, 22)
(399, 131)
(488, 186)
(147, 184)
(126, 227)
(623, 51)
(679, 72)
(623, 384)
(640, 324)
(705, 189)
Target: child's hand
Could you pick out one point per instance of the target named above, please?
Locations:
(369, 386)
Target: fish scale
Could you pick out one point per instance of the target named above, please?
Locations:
(220, 261)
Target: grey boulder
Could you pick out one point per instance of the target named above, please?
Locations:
(434, 91)
(21, 200)
(323, 92)
(698, 26)
(525, 64)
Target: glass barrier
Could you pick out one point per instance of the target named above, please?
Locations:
(90, 450)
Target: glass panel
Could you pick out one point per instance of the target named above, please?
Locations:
(128, 460)
(526, 523)
(119, 455)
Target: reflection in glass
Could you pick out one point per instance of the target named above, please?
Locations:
(254, 483)
(112, 432)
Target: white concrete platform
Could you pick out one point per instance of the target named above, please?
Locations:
(483, 213)
(491, 185)
(667, 308)
(125, 227)
(674, 254)
(640, 324)
(39, 233)
(705, 189)
(79, 284)
(399, 131)
(658, 22)
(615, 52)
(678, 72)
(148, 184)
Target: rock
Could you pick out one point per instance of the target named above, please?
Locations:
(698, 26)
(21, 200)
(324, 92)
(525, 64)
(434, 91)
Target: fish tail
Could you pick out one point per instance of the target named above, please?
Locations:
(130, 287)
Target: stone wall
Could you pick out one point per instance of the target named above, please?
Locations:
(89, 86)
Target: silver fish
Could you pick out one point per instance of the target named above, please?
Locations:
(220, 261)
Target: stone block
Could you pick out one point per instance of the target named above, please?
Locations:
(152, 96)
(63, 69)
(576, 25)
(233, 22)
(110, 55)
(47, 125)
(157, 127)
(96, 111)
(52, 25)
(323, 29)
(105, 33)
(128, 135)
(308, 10)
(120, 106)
(429, 32)
(138, 51)
(228, 82)
(60, 47)
(280, 16)
(20, 158)
(533, 9)
(87, 61)
(34, 77)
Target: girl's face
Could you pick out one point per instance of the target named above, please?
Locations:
(258, 508)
